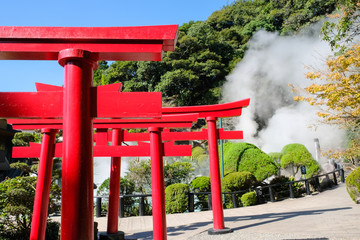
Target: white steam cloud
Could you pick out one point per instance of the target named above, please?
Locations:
(273, 119)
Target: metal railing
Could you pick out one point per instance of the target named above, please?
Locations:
(264, 193)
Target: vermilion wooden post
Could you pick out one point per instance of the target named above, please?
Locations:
(157, 184)
(77, 210)
(41, 201)
(114, 191)
(217, 208)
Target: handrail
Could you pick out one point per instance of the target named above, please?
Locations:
(234, 200)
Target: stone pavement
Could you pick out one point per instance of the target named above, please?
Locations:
(330, 215)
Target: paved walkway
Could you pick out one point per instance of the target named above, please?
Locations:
(330, 215)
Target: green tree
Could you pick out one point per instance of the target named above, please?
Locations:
(178, 172)
(247, 157)
(207, 51)
(199, 156)
(296, 155)
(23, 138)
(340, 33)
(139, 172)
(336, 92)
(127, 187)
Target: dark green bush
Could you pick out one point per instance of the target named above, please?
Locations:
(247, 157)
(126, 187)
(201, 184)
(296, 155)
(16, 206)
(248, 199)
(52, 230)
(353, 185)
(283, 190)
(176, 198)
(237, 181)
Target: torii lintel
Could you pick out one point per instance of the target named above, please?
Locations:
(145, 43)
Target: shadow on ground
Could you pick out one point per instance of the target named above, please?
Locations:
(268, 218)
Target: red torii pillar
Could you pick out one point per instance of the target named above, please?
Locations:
(156, 152)
(211, 113)
(42, 192)
(114, 189)
(78, 50)
(77, 165)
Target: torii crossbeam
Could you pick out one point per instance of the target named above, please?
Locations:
(78, 50)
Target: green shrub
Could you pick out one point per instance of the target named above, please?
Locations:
(16, 206)
(248, 199)
(237, 181)
(247, 157)
(233, 153)
(126, 187)
(296, 155)
(52, 230)
(353, 185)
(283, 190)
(176, 198)
(201, 184)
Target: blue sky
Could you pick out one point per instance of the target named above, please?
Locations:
(17, 76)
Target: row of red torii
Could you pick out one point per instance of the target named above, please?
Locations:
(78, 109)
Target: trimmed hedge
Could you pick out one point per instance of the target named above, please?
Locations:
(176, 198)
(353, 185)
(247, 157)
(201, 184)
(249, 199)
(237, 181)
(296, 155)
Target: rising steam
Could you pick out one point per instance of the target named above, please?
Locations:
(273, 119)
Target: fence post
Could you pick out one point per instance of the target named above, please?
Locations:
(318, 184)
(98, 206)
(329, 181)
(271, 193)
(342, 175)
(335, 179)
(121, 207)
(142, 206)
(291, 190)
(234, 200)
(191, 202)
(209, 202)
(307, 186)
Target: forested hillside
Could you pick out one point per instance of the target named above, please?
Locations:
(207, 51)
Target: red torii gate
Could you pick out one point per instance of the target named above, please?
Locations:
(210, 112)
(154, 126)
(78, 50)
